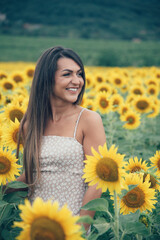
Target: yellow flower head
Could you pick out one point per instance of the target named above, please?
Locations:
(116, 101)
(141, 197)
(45, 220)
(142, 104)
(102, 102)
(10, 135)
(104, 169)
(137, 90)
(104, 87)
(135, 165)
(132, 120)
(13, 111)
(155, 160)
(155, 111)
(8, 166)
(8, 84)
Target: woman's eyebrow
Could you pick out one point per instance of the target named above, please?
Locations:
(71, 70)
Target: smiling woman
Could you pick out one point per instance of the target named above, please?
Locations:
(57, 133)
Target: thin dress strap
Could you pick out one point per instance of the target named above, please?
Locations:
(75, 130)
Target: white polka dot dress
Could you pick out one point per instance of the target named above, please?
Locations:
(61, 162)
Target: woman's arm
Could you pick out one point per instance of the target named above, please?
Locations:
(94, 135)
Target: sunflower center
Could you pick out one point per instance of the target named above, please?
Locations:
(124, 110)
(116, 102)
(152, 180)
(117, 81)
(103, 103)
(2, 76)
(103, 89)
(30, 73)
(15, 136)
(137, 92)
(18, 78)
(130, 120)
(158, 163)
(8, 85)
(152, 91)
(107, 170)
(16, 113)
(5, 165)
(44, 228)
(134, 198)
(99, 79)
(142, 104)
(136, 169)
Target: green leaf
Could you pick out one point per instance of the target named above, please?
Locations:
(99, 204)
(15, 197)
(102, 227)
(85, 219)
(16, 185)
(3, 203)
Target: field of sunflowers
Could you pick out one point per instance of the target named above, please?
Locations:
(126, 168)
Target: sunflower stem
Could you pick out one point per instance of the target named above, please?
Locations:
(1, 193)
(116, 209)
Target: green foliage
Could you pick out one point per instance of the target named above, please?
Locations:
(92, 52)
(107, 19)
(9, 211)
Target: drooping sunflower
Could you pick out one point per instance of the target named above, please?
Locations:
(3, 75)
(152, 179)
(135, 165)
(124, 108)
(46, 221)
(155, 161)
(13, 111)
(102, 102)
(142, 104)
(10, 136)
(141, 197)
(8, 84)
(104, 169)
(90, 104)
(9, 169)
(131, 118)
(116, 101)
(155, 111)
(104, 87)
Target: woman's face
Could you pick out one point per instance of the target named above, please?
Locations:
(68, 80)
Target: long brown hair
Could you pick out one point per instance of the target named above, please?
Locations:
(39, 106)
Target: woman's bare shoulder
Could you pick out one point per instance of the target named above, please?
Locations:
(91, 116)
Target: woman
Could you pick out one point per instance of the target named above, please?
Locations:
(57, 132)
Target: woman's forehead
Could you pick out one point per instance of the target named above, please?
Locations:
(67, 63)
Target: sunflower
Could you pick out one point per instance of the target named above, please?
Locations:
(18, 77)
(135, 165)
(29, 71)
(149, 82)
(104, 169)
(124, 108)
(141, 197)
(118, 81)
(102, 102)
(153, 90)
(10, 137)
(131, 118)
(83, 100)
(2, 99)
(8, 166)
(116, 101)
(142, 104)
(155, 161)
(152, 179)
(13, 111)
(3, 75)
(89, 80)
(46, 221)
(99, 78)
(8, 84)
(137, 90)
(155, 111)
(104, 87)
(89, 104)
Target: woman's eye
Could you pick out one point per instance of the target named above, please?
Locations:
(80, 74)
(66, 74)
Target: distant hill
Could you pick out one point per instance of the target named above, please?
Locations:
(99, 19)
